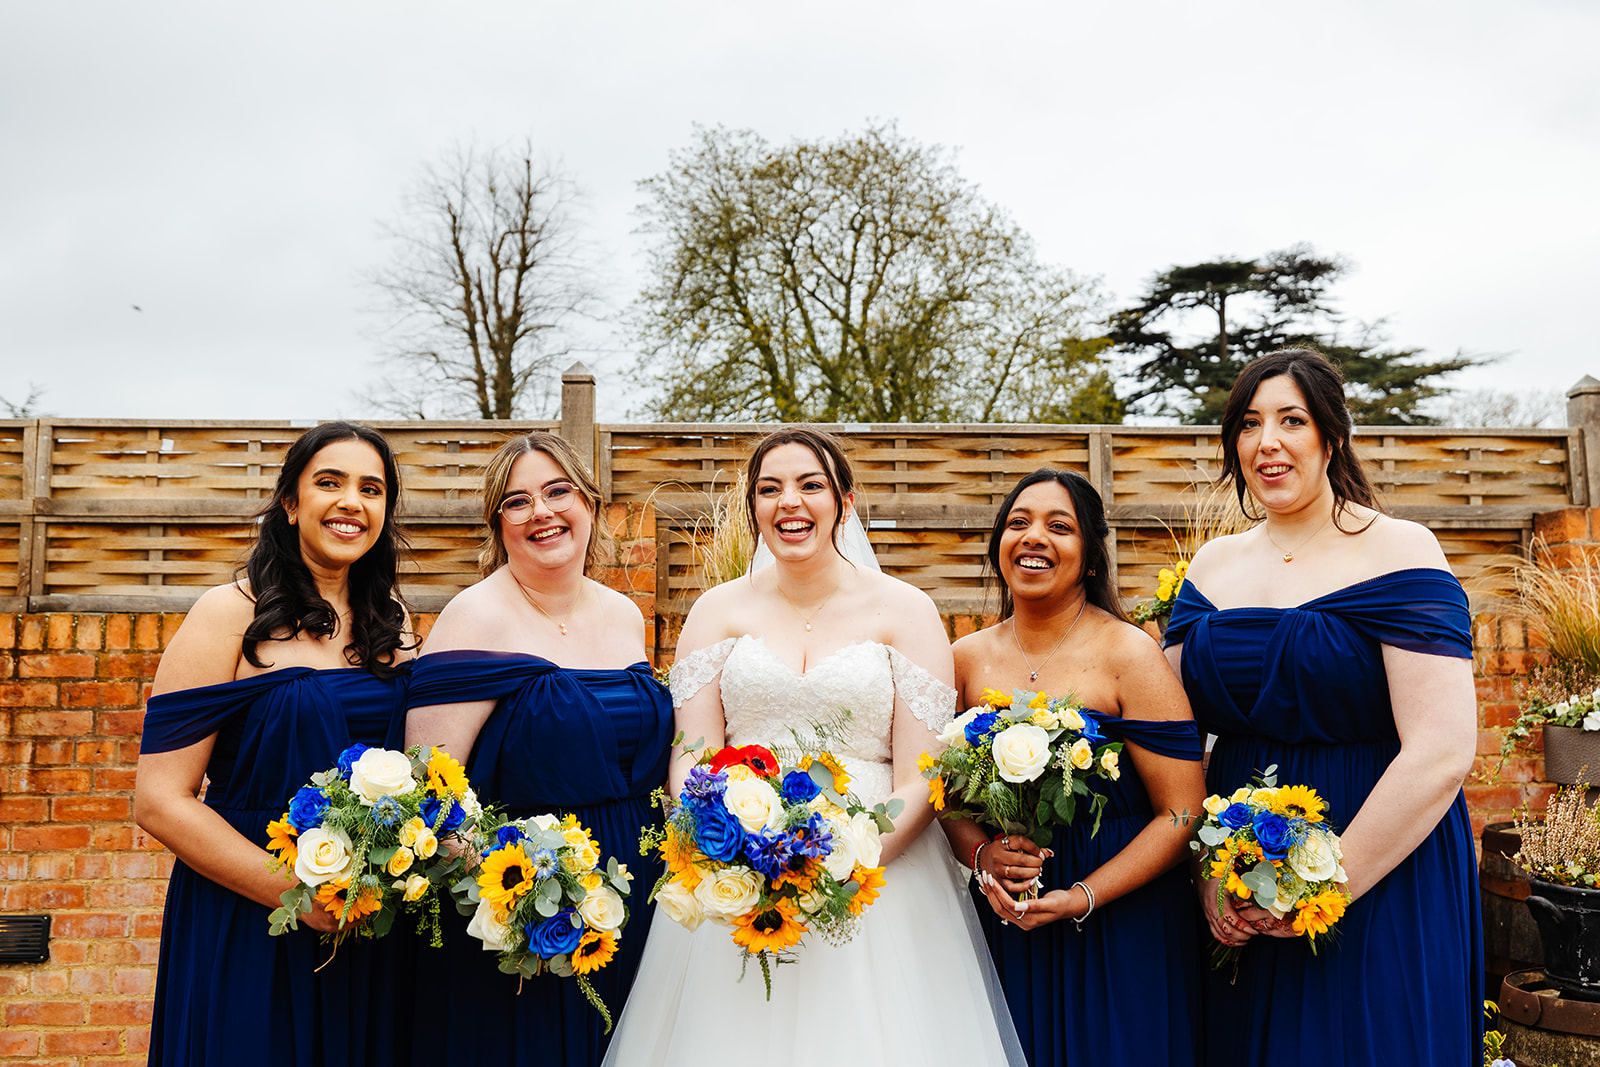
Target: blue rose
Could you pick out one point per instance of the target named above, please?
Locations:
(1091, 729)
(348, 757)
(430, 813)
(307, 808)
(1236, 815)
(555, 935)
(799, 787)
(978, 728)
(1273, 835)
(717, 832)
(509, 834)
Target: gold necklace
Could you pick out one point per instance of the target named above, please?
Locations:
(1033, 672)
(1288, 554)
(776, 584)
(561, 622)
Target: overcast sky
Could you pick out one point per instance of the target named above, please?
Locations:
(227, 168)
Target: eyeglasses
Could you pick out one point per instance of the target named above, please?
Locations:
(518, 507)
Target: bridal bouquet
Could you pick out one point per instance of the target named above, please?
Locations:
(1021, 762)
(770, 850)
(540, 899)
(363, 840)
(1272, 848)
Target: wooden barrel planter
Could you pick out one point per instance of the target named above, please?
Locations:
(1510, 936)
(1544, 1029)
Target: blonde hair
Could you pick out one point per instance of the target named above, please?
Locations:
(497, 474)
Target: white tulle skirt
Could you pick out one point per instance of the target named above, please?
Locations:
(915, 986)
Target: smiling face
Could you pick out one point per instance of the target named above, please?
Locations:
(795, 503)
(1282, 454)
(549, 540)
(1041, 545)
(338, 510)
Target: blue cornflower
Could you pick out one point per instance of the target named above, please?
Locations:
(544, 862)
(387, 812)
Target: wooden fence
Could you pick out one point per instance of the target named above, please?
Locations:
(140, 515)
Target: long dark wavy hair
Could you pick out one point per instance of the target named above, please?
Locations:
(1322, 385)
(1092, 528)
(829, 452)
(286, 597)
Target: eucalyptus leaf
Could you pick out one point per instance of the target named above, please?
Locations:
(1211, 835)
(1262, 879)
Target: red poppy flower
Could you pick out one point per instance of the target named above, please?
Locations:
(758, 759)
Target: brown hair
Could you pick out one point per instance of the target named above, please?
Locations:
(829, 452)
(497, 473)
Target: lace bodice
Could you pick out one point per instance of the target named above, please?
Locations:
(762, 697)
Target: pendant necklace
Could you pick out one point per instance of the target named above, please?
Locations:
(803, 617)
(1288, 554)
(1033, 672)
(561, 622)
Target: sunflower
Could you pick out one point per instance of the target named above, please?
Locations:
(1299, 801)
(803, 878)
(280, 839)
(770, 929)
(869, 880)
(331, 895)
(1315, 914)
(594, 951)
(936, 793)
(841, 777)
(507, 874)
(445, 775)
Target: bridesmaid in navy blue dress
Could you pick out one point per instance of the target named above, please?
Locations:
(1118, 983)
(264, 684)
(537, 674)
(1333, 641)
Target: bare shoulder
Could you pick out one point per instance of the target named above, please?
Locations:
(229, 607)
(975, 645)
(209, 644)
(1130, 648)
(898, 595)
(470, 619)
(1402, 544)
(1215, 557)
(619, 608)
(716, 612)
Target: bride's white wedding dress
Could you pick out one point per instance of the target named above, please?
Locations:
(914, 986)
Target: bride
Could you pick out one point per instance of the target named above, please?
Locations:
(818, 630)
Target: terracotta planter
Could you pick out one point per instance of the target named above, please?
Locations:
(1569, 928)
(1568, 751)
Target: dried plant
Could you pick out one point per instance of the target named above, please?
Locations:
(1564, 847)
(1557, 694)
(721, 538)
(1562, 606)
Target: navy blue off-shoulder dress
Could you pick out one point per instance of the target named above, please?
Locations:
(591, 743)
(1304, 688)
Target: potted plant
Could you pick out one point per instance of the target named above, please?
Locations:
(1561, 854)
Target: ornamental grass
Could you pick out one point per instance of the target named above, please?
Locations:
(1562, 606)
(721, 539)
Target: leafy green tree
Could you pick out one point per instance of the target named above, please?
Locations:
(1249, 308)
(854, 280)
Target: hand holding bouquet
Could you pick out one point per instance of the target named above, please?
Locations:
(1021, 762)
(363, 839)
(770, 850)
(1271, 848)
(539, 899)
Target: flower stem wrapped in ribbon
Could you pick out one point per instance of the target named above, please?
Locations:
(362, 840)
(1272, 847)
(539, 898)
(771, 848)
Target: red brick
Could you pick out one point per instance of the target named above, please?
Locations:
(99, 694)
(13, 867)
(56, 866)
(91, 865)
(12, 983)
(58, 633)
(8, 665)
(147, 632)
(95, 752)
(48, 983)
(45, 1013)
(1563, 524)
(120, 1012)
(130, 950)
(16, 753)
(91, 632)
(19, 1043)
(1493, 797)
(113, 779)
(138, 1038)
(89, 924)
(81, 1042)
(164, 863)
(53, 753)
(169, 626)
(130, 665)
(120, 723)
(8, 631)
(91, 809)
(141, 894)
(134, 981)
(147, 926)
(119, 632)
(113, 838)
(53, 780)
(32, 632)
(53, 723)
(23, 809)
(45, 838)
(67, 953)
(28, 695)
(57, 665)
(43, 897)
(91, 980)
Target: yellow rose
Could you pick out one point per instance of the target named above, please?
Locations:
(739, 773)
(1216, 805)
(1069, 717)
(1081, 754)
(584, 854)
(1240, 795)
(1108, 761)
(413, 886)
(1044, 718)
(410, 829)
(426, 844)
(400, 862)
(590, 881)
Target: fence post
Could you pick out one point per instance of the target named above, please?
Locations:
(1583, 414)
(577, 411)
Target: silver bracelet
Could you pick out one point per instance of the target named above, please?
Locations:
(977, 858)
(1088, 892)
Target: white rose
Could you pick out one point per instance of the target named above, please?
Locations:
(755, 804)
(324, 854)
(1312, 858)
(680, 905)
(602, 910)
(545, 822)
(729, 893)
(1021, 752)
(956, 729)
(811, 900)
(487, 927)
(379, 773)
(869, 847)
(842, 859)
(1081, 754)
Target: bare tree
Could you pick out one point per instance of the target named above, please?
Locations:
(1497, 407)
(27, 408)
(488, 272)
